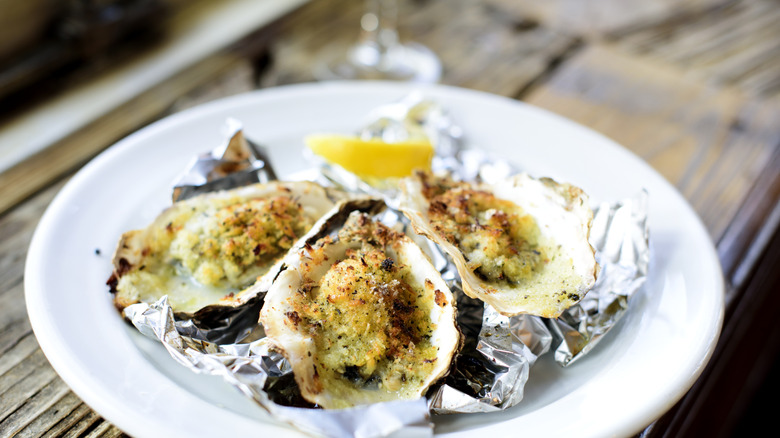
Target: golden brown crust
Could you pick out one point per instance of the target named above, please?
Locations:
(208, 250)
(354, 319)
(520, 245)
(492, 233)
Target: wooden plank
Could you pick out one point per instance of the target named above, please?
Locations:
(47, 421)
(33, 407)
(16, 230)
(711, 143)
(474, 38)
(104, 429)
(72, 420)
(307, 36)
(30, 404)
(757, 219)
(12, 335)
(22, 382)
(194, 31)
(738, 45)
(23, 347)
(52, 411)
(724, 42)
(89, 421)
(34, 173)
(16, 374)
(501, 57)
(596, 18)
(34, 400)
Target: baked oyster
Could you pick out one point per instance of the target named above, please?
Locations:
(361, 315)
(520, 245)
(211, 249)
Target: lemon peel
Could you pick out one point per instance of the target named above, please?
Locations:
(373, 158)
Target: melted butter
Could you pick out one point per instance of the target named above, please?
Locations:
(184, 293)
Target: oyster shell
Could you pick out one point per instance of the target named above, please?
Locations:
(211, 249)
(520, 245)
(361, 314)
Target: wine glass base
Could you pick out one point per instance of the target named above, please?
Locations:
(405, 62)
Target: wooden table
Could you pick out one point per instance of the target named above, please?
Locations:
(692, 87)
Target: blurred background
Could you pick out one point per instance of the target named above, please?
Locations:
(690, 86)
(65, 63)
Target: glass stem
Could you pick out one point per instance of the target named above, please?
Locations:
(379, 26)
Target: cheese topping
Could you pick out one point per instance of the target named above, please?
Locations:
(210, 249)
(521, 244)
(368, 318)
(219, 246)
(499, 241)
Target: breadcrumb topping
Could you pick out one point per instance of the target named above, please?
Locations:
(500, 242)
(367, 316)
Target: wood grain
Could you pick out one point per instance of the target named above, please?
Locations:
(479, 47)
(712, 143)
(35, 401)
(737, 44)
(598, 18)
(36, 172)
(722, 42)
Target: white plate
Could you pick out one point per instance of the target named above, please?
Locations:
(638, 372)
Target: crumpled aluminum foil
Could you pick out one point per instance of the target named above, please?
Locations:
(619, 235)
(492, 369)
(257, 372)
(237, 162)
(490, 372)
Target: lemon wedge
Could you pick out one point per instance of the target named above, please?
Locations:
(374, 157)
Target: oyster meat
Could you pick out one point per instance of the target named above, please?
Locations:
(520, 245)
(212, 248)
(362, 315)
